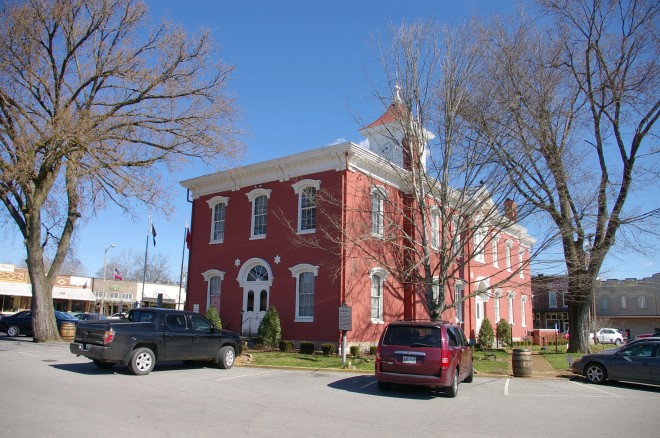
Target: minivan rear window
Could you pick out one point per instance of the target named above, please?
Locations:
(412, 336)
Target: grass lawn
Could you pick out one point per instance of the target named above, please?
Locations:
(559, 359)
(500, 365)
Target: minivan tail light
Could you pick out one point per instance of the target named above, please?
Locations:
(445, 359)
(108, 336)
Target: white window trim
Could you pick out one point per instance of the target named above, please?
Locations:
(511, 296)
(382, 193)
(496, 306)
(459, 289)
(212, 203)
(295, 273)
(496, 241)
(521, 256)
(435, 228)
(207, 277)
(252, 196)
(298, 190)
(507, 254)
(523, 317)
(382, 274)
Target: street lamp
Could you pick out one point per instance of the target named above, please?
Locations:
(105, 258)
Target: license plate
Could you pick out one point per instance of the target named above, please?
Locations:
(409, 359)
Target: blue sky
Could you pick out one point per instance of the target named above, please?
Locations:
(301, 80)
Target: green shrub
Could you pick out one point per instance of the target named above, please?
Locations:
(328, 349)
(373, 349)
(486, 334)
(287, 346)
(270, 331)
(307, 347)
(213, 317)
(504, 332)
(355, 350)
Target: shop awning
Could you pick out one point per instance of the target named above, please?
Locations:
(70, 293)
(16, 289)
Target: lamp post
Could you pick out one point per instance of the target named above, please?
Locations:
(105, 258)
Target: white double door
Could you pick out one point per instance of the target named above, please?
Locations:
(255, 304)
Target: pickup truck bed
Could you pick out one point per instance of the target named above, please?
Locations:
(152, 335)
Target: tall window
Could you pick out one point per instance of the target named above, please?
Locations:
(218, 206)
(458, 299)
(624, 303)
(552, 299)
(641, 302)
(496, 262)
(604, 303)
(480, 242)
(377, 282)
(457, 245)
(377, 211)
(259, 198)
(523, 318)
(435, 228)
(213, 278)
(305, 280)
(511, 296)
(521, 254)
(306, 190)
(507, 254)
(496, 303)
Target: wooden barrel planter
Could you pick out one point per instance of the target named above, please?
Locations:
(522, 362)
(68, 331)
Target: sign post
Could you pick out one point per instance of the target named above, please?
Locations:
(345, 324)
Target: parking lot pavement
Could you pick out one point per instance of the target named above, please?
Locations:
(47, 391)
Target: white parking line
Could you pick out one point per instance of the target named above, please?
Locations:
(244, 375)
(28, 354)
(595, 389)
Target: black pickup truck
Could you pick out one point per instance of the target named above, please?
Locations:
(149, 335)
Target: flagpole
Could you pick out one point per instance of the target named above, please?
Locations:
(146, 251)
(183, 255)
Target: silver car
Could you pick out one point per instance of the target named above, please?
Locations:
(638, 361)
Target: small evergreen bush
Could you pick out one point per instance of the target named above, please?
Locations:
(213, 317)
(355, 350)
(373, 349)
(270, 331)
(486, 334)
(328, 349)
(287, 346)
(504, 332)
(307, 347)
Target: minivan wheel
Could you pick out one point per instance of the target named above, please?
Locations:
(384, 386)
(452, 390)
(470, 376)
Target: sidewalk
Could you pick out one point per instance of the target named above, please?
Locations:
(541, 367)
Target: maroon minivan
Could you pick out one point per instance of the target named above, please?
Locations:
(434, 354)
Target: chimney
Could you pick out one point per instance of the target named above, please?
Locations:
(510, 209)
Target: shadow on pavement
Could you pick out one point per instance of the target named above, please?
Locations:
(367, 385)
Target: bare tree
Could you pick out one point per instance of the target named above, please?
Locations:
(568, 109)
(94, 105)
(130, 266)
(449, 204)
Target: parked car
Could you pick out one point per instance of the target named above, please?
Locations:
(21, 323)
(85, 316)
(433, 354)
(609, 336)
(118, 316)
(638, 361)
(648, 335)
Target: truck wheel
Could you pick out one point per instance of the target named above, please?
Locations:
(103, 365)
(13, 330)
(142, 361)
(226, 357)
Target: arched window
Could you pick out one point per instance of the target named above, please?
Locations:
(507, 255)
(305, 283)
(378, 276)
(306, 191)
(458, 300)
(258, 273)
(250, 301)
(496, 262)
(214, 279)
(218, 206)
(510, 297)
(523, 318)
(263, 301)
(480, 235)
(259, 198)
(496, 303)
(378, 195)
(435, 228)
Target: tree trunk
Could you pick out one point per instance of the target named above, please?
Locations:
(581, 287)
(44, 326)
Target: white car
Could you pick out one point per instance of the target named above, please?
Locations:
(608, 336)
